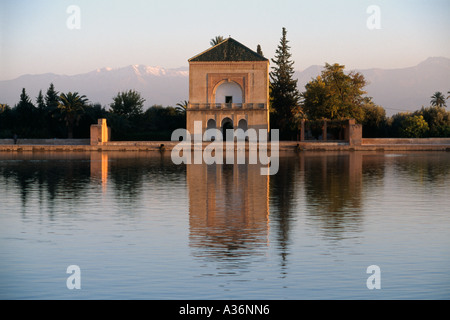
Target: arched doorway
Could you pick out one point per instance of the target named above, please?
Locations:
(227, 124)
(229, 92)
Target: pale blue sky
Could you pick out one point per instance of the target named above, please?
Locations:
(34, 37)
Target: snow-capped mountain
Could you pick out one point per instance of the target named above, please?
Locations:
(394, 89)
(156, 84)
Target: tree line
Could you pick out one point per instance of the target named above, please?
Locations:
(337, 95)
(70, 115)
(333, 95)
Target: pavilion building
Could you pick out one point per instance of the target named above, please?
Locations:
(228, 89)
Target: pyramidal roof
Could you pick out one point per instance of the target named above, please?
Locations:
(228, 50)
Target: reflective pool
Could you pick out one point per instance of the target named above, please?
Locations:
(140, 227)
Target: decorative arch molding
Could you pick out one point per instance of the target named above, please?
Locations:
(225, 117)
(216, 79)
(227, 120)
(240, 117)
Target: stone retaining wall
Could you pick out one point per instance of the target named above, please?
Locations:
(290, 146)
(397, 141)
(47, 142)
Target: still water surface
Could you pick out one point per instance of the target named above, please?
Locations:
(140, 227)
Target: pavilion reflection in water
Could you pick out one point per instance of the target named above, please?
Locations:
(228, 209)
(229, 203)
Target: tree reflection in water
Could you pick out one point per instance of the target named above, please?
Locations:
(333, 185)
(54, 176)
(235, 213)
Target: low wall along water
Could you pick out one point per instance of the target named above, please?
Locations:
(101, 133)
(379, 145)
(48, 142)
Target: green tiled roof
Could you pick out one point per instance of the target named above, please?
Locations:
(228, 50)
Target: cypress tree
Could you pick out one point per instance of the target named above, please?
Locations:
(55, 128)
(40, 101)
(51, 99)
(284, 94)
(41, 121)
(25, 105)
(25, 116)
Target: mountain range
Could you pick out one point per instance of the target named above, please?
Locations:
(403, 89)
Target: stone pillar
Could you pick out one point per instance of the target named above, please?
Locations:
(302, 131)
(353, 133)
(100, 133)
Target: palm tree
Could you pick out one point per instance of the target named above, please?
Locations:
(71, 107)
(182, 107)
(215, 41)
(448, 92)
(438, 100)
(259, 50)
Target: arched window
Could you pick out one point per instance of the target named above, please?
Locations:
(210, 127)
(242, 135)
